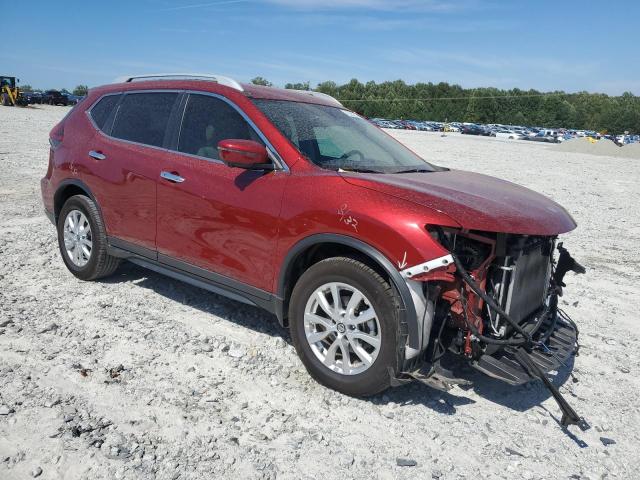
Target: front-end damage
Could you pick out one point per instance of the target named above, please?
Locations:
(493, 300)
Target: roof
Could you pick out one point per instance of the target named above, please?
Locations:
(306, 96)
(221, 84)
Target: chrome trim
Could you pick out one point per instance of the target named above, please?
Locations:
(275, 157)
(97, 155)
(88, 110)
(271, 151)
(111, 137)
(220, 79)
(172, 177)
(425, 267)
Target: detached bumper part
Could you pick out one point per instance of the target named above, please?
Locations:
(569, 415)
(559, 336)
(517, 366)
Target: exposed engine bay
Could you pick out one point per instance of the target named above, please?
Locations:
(496, 305)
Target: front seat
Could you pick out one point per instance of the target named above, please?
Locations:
(210, 149)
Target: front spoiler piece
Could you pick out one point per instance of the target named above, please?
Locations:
(559, 336)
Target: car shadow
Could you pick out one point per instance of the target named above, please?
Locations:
(234, 311)
(519, 398)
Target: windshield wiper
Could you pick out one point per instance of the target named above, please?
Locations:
(358, 170)
(415, 170)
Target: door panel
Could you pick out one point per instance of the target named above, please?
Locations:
(221, 219)
(215, 217)
(125, 186)
(125, 173)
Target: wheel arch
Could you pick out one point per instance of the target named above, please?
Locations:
(67, 189)
(314, 248)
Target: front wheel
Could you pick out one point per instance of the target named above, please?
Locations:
(345, 326)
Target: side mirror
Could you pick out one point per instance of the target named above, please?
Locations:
(244, 154)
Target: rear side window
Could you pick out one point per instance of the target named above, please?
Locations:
(143, 117)
(100, 111)
(206, 121)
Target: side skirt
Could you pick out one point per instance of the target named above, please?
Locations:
(195, 276)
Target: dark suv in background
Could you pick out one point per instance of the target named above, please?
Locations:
(54, 97)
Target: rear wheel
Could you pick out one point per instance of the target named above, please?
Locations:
(344, 324)
(82, 240)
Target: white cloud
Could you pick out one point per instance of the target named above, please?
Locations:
(387, 5)
(396, 5)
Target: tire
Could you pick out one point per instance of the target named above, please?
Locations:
(99, 263)
(391, 335)
(5, 100)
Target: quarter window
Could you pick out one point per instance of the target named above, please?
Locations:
(143, 117)
(100, 111)
(207, 120)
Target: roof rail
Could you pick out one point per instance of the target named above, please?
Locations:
(222, 80)
(321, 95)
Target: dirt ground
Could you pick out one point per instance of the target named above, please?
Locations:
(141, 376)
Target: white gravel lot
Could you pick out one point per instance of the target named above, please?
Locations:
(141, 376)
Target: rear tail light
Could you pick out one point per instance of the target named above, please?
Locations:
(56, 136)
(50, 166)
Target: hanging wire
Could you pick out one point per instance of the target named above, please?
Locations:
(431, 99)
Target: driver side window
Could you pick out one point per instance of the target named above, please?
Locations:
(206, 121)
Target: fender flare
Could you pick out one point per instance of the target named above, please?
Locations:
(407, 307)
(76, 183)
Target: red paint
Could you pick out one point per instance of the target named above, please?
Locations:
(476, 201)
(242, 223)
(242, 153)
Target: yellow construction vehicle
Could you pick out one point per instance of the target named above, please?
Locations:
(10, 92)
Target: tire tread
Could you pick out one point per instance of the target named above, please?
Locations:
(105, 264)
(382, 378)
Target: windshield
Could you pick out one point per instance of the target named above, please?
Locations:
(338, 139)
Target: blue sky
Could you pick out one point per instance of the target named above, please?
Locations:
(548, 45)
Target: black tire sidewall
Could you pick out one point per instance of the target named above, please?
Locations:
(98, 238)
(376, 378)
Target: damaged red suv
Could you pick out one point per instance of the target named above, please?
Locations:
(376, 260)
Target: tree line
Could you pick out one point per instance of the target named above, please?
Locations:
(446, 102)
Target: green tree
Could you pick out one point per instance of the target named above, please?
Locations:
(429, 101)
(81, 90)
(298, 86)
(261, 81)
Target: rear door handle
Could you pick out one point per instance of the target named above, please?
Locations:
(172, 177)
(97, 155)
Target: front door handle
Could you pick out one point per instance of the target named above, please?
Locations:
(172, 177)
(97, 155)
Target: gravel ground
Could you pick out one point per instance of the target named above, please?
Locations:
(140, 376)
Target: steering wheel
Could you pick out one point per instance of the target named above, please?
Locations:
(352, 152)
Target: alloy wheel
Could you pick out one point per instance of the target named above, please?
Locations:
(342, 328)
(77, 238)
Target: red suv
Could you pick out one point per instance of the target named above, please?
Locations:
(378, 262)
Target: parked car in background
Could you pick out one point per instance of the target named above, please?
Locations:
(405, 124)
(54, 97)
(73, 99)
(541, 137)
(533, 133)
(509, 134)
(473, 130)
(32, 97)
